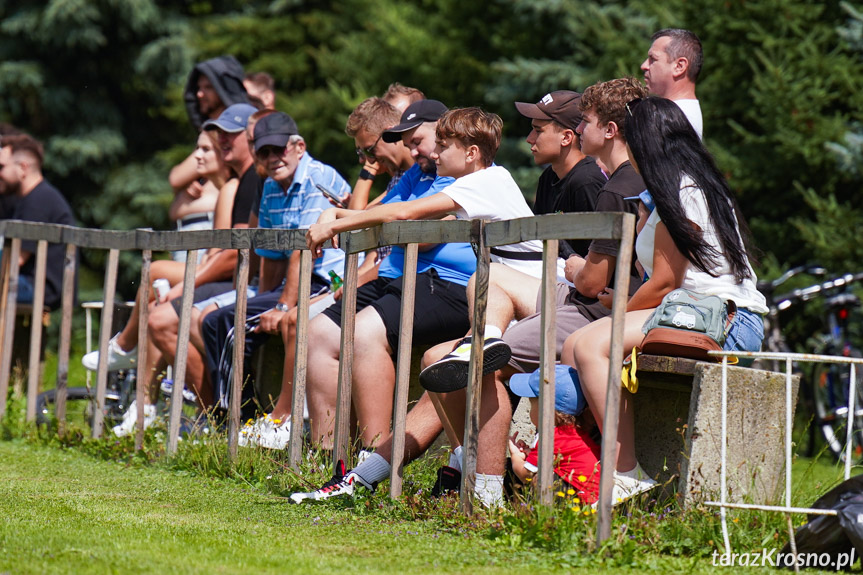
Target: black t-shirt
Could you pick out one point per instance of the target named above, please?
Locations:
(623, 183)
(248, 196)
(577, 191)
(47, 205)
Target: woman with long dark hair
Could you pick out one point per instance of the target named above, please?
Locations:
(692, 240)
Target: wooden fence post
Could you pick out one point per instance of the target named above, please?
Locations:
(341, 441)
(68, 302)
(239, 352)
(612, 402)
(11, 284)
(301, 361)
(403, 369)
(474, 387)
(104, 336)
(143, 374)
(547, 359)
(182, 355)
(34, 371)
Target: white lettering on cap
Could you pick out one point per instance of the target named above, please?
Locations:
(547, 99)
(238, 119)
(412, 116)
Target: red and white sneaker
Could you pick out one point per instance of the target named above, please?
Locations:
(342, 483)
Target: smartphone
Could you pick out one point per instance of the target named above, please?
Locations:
(332, 196)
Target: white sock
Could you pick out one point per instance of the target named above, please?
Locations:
(374, 469)
(489, 490)
(492, 331)
(455, 458)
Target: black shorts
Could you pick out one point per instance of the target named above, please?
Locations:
(440, 311)
(202, 292)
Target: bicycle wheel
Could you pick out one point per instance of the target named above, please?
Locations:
(831, 386)
(79, 405)
(80, 402)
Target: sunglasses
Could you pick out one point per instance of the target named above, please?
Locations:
(370, 151)
(265, 151)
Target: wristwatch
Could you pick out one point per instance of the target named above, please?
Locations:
(283, 307)
(366, 175)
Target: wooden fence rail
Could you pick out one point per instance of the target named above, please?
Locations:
(482, 235)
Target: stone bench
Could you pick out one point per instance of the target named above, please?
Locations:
(678, 429)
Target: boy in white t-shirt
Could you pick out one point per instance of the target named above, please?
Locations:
(467, 141)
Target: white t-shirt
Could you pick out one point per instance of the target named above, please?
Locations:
(491, 194)
(744, 294)
(692, 109)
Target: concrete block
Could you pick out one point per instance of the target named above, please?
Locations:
(678, 430)
(755, 435)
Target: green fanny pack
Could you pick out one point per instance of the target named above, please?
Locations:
(687, 324)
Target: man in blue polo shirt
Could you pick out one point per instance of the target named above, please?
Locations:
(290, 200)
(441, 305)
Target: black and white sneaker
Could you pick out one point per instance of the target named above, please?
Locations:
(448, 481)
(342, 483)
(450, 373)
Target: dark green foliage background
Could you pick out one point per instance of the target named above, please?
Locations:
(100, 81)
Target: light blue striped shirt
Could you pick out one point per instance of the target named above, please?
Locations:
(299, 207)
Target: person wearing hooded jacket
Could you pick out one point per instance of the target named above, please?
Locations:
(212, 86)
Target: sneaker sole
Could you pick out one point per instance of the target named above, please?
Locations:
(445, 376)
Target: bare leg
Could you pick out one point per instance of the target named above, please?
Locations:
(163, 329)
(511, 295)
(288, 329)
(167, 269)
(373, 377)
(588, 350)
(323, 376)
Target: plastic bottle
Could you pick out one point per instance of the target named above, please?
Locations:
(335, 280)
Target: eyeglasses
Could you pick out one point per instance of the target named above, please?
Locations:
(632, 104)
(370, 151)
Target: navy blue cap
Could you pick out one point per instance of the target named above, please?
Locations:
(568, 397)
(274, 130)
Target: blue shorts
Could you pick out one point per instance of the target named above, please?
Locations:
(745, 334)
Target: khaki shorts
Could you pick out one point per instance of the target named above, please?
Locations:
(524, 336)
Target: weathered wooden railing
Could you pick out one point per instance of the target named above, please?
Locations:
(480, 234)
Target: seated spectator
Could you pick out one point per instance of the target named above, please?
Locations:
(261, 89)
(400, 97)
(466, 142)
(212, 86)
(290, 200)
(576, 454)
(365, 125)
(692, 240)
(36, 200)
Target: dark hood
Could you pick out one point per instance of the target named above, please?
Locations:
(226, 74)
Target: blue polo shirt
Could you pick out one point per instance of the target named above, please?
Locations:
(299, 207)
(452, 262)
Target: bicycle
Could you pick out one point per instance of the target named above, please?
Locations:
(824, 386)
(119, 395)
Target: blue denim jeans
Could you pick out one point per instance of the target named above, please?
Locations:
(745, 334)
(25, 289)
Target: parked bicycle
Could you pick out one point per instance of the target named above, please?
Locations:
(824, 387)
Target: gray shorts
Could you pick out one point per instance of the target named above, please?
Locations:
(524, 336)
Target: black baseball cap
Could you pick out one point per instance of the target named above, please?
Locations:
(413, 116)
(274, 130)
(562, 106)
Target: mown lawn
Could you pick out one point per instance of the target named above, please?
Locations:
(68, 512)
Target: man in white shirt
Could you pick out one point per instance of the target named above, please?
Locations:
(671, 69)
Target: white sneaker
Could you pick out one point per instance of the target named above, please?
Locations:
(629, 484)
(117, 358)
(265, 432)
(130, 418)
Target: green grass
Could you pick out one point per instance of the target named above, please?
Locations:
(86, 506)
